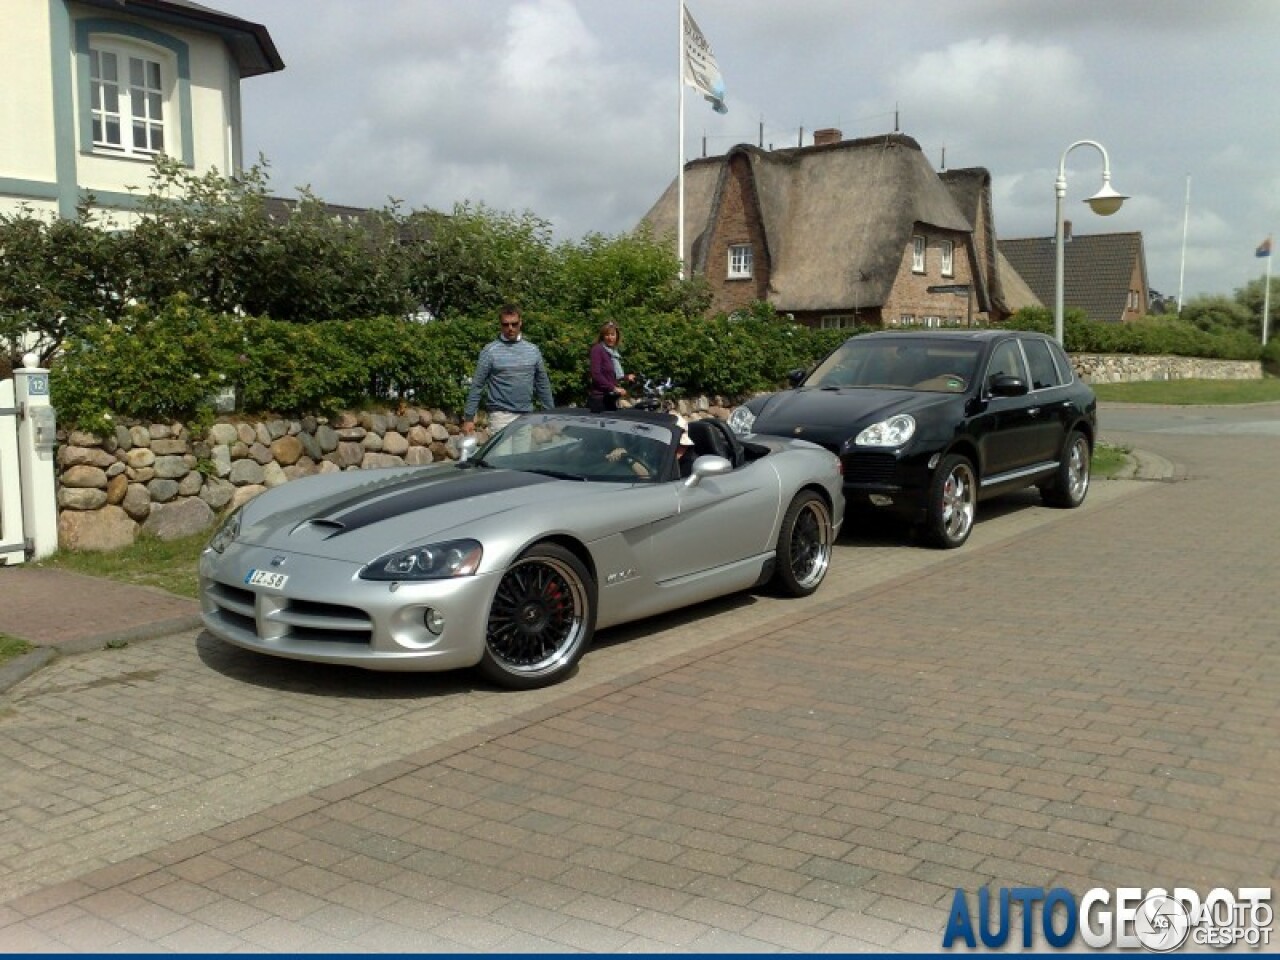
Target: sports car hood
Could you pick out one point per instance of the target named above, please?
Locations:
(336, 518)
(832, 415)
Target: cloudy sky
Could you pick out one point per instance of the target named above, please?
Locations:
(567, 108)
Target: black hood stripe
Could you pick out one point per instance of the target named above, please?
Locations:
(417, 495)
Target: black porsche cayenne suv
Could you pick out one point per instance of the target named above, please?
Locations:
(927, 423)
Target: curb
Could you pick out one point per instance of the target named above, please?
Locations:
(1143, 465)
(24, 665)
(27, 664)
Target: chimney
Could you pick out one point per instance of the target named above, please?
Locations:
(826, 136)
(1066, 231)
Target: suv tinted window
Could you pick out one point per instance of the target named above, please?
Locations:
(1006, 360)
(1060, 359)
(1043, 372)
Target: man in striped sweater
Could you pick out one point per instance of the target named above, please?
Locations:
(510, 370)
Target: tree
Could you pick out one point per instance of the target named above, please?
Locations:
(1250, 297)
(216, 240)
(472, 261)
(56, 277)
(1221, 315)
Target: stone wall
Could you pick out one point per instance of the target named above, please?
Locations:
(161, 480)
(1122, 368)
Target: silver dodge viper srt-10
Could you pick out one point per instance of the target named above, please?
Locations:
(564, 522)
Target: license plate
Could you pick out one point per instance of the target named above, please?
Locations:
(266, 578)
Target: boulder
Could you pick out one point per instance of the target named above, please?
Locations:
(85, 476)
(137, 502)
(102, 530)
(184, 518)
(81, 498)
(394, 443)
(246, 473)
(171, 467)
(244, 494)
(162, 489)
(217, 493)
(117, 487)
(287, 451)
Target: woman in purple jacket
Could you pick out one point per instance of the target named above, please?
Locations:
(606, 371)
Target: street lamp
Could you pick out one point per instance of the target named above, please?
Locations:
(1104, 203)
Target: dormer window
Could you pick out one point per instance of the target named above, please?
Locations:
(127, 88)
(740, 261)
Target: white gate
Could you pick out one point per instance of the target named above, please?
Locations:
(13, 547)
(28, 501)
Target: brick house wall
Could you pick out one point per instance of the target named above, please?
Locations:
(910, 295)
(738, 221)
(1136, 306)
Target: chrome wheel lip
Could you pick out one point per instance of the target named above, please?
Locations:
(811, 539)
(572, 632)
(1078, 470)
(959, 499)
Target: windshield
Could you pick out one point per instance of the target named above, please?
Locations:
(581, 448)
(900, 364)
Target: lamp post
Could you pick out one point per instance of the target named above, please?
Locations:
(1104, 203)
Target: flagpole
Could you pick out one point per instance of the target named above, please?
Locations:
(680, 145)
(1266, 298)
(1186, 216)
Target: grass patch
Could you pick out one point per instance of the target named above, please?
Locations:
(1108, 460)
(11, 647)
(148, 562)
(1183, 392)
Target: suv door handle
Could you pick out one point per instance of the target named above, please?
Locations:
(1033, 411)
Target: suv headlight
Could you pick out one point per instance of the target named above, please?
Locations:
(742, 421)
(894, 432)
(436, 561)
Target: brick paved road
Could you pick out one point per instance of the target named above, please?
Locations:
(1073, 699)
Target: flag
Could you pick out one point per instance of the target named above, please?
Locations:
(1264, 248)
(700, 69)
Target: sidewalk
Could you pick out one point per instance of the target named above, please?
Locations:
(59, 612)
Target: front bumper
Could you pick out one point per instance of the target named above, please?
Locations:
(887, 480)
(326, 614)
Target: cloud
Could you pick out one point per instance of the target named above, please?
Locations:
(566, 108)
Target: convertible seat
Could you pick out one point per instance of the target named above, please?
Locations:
(712, 437)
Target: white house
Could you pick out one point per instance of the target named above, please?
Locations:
(96, 89)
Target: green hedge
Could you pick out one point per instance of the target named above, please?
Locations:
(1150, 336)
(167, 363)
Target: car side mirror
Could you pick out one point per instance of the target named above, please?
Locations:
(1005, 385)
(796, 377)
(466, 447)
(708, 466)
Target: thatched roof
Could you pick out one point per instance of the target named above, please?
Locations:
(1016, 292)
(250, 44)
(1097, 271)
(836, 217)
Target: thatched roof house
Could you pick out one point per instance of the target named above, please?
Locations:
(840, 233)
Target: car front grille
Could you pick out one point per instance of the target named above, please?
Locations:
(877, 468)
(243, 611)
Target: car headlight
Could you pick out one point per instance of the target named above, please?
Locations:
(226, 533)
(894, 432)
(742, 421)
(435, 561)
